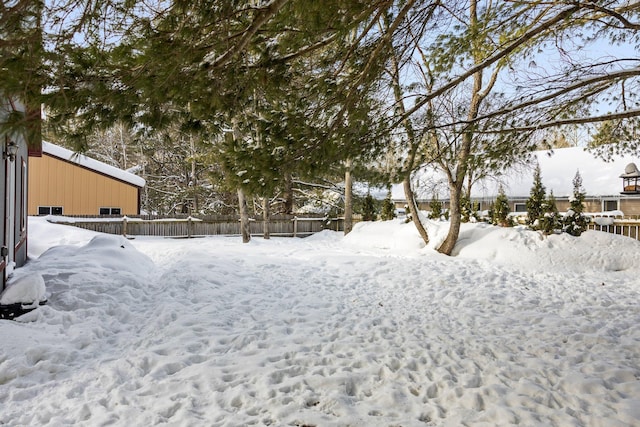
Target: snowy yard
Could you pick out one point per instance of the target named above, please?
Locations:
(367, 330)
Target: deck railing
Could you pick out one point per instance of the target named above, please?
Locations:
(620, 226)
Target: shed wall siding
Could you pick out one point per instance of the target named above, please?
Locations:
(80, 191)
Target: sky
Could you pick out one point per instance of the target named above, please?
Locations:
(371, 329)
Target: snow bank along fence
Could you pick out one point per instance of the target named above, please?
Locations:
(623, 227)
(187, 226)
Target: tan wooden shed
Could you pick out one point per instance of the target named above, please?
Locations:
(62, 182)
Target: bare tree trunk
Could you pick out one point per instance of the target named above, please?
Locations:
(348, 198)
(413, 208)
(266, 216)
(288, 193)
(244, 217)
(455, 220)
(194, 182)
(456, 178)
(414, 144)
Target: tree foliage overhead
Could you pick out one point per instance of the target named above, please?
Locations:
(267, 82)
(282, 88)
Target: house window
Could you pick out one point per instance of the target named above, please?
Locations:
(609, 205)
(49, 210)
(110, 211)
(519, 207)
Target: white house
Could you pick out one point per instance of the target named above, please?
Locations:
(606, 183)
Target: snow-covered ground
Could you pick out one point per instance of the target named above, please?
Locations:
(371, 329)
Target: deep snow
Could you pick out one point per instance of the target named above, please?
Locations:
(372, 329)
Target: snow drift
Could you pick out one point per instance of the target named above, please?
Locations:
(369, 330)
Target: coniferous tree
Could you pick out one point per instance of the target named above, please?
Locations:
(467, 209)
(388, 209)
(369, 208)
(435, 206)
(500, 212)
(536, 200)
(550, 221)
(574, 221)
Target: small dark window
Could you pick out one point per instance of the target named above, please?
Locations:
(519, 207)
(610, 205)
(49, 210)
(110, 211)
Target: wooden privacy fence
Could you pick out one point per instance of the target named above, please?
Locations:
(623, 227)
(281, 225)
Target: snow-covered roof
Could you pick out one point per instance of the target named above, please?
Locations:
(89, 163)
(557, 167)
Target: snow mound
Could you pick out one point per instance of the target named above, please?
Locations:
(104, 251)
(322, 332)
(394, 235)
(26, 290)
(527, 249)
(63, 235)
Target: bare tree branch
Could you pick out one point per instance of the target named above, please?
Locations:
(570, 121)
(504, 52)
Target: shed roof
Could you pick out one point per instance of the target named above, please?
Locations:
(89, 163)
(557, 168)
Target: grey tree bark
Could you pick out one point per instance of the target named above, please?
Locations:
(266, 216)
(348, 198)
(244, 217)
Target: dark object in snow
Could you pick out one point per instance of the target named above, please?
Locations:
(11, 311)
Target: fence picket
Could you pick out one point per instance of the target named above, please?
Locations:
(281, 225)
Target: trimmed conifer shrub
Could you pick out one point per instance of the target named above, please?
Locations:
(574, 221)
(536, 200)
(550, 221)
(501, 210)
(435, 207)
(388, 209)
(369, 212)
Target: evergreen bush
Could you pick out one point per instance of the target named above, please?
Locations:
(501, 210)
(435, 207)
(388, 209)
(574, 221)
(369, 212)
(550, 221)
(466, 208)
(536, 200)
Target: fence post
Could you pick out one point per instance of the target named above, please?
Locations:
(295, 226)
(124, 226)
(189, 224)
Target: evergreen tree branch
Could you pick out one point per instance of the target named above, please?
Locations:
(263, 17)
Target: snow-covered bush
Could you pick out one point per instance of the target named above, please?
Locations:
(435, 207)
(574, 221)
(501, 210)
(535, 202)
(388, 209)
(550, 221)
